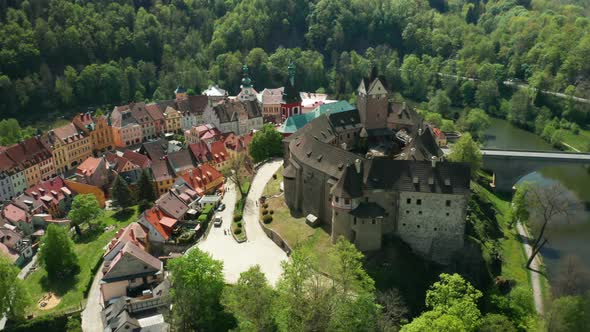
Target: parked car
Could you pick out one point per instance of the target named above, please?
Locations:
(221, 207)
(217, 221)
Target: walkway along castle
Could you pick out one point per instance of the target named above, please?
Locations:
(377, 170)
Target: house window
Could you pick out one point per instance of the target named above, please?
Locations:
(347, 201)
(418, 202)
(409, 201)
(448, 202)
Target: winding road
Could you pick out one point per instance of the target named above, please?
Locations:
(259, 249)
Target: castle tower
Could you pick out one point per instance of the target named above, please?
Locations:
(372, 104)
(291, 99)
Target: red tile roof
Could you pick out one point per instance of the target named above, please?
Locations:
(26, 153)
(153, 216)
(199, 177)
(200, 152)
(218, 151)
(137, 158)
(88, 166)
(154, 112)
(134, 233)
(68, 133)
(172, 206)
(50, 191)
(14, 214)
(161, 170)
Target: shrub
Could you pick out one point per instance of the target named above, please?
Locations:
(239, 225)
(237, 217)
(264, 212)
(271, 211)
(265, 205)
(238, 231)
(267, 219)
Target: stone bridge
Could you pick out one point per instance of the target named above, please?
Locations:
(508, 166)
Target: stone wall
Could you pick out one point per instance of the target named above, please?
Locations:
(432, 224)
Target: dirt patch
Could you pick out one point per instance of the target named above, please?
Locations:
(48, 301)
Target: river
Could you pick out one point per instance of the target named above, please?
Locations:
(568, 236)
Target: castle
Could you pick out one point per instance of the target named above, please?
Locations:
(376, 171)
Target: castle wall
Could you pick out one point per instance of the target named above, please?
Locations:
(432, 224)
(387, 200)
(367, 233)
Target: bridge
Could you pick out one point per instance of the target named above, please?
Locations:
(508, 166)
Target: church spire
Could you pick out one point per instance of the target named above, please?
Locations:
(246, 81)
(291, 69)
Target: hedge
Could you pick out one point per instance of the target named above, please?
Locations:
(267, 218)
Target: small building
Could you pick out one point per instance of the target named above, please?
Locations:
(215, 94)
(95, 172)
(271, 100)
(126, 130)
(13, 246)
(163, 176)
(219, 154)
(131, 271)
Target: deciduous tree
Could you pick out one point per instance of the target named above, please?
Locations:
(466, 150)
(57, 254)
(197, 285)
(120, 193)
(84, 209)
(13, 295)
(145, 187)
(266, 143)
(250, 301)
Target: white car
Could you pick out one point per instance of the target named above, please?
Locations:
(217, 221)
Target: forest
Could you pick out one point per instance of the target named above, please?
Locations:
(59, 57)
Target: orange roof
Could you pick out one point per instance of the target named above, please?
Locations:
(153, 216)
(168, 222)
(218, 151)
(88, 166)
(14, 214)
(199, 177)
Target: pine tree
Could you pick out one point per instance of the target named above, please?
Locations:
(145, 188)
(120, 193)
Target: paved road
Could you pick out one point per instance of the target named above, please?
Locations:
(535, 265)
(259, 249)
(91, 320)
(533, 154)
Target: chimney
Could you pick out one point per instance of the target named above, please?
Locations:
(420, 131)
(433, 161)
(357, 165)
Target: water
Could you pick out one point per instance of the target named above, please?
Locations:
(567, 236)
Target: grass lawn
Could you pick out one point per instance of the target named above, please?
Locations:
(293, 230)
(579, 141)
(90, 249)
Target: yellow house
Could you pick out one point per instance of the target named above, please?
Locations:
(68, 145)
(98, 128)
(34, 158)
(172, 120)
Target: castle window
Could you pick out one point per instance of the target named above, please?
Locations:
(435, 228)
(335, 213)
(373, 221)
(337, 199)
(409, 201)
(347, 201)
(418, 202)
(420, 212)
(407, 211)
(354, 221)
(447, 214)
(448, 202)
(366, 199)
(418, 226)
(404, 224)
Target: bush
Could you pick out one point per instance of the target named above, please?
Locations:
(239, 225)
(238, 231)
(271, 211)
(267, 219)
(237, 217)
(265, 205)
(264, 212)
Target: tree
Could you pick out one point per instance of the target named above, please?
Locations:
(452, 304)
(521, 108)
(496, 323)
(440, 104)
(239, 171)
(85, 209)
(487, 95)
(145, 188)
(519, 203)
(466, 150)
(393, 310)
(196, 286)
(308, 300)
(569, 314)
(546, 204)
(476, 122)
(13, 295)
(57, 254)
(266, 143)
(120, 193)
(250, 301)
